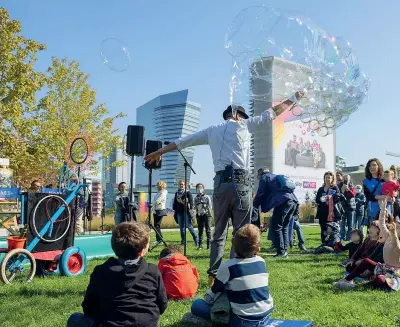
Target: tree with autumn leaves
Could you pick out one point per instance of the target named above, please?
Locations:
(34, 133)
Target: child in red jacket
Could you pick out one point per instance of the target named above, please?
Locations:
(179, 275)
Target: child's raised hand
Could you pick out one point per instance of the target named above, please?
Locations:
(392, 228)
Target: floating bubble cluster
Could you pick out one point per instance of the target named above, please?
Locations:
(115, 55)
(276, 53)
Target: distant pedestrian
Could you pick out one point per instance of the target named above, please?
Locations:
(160, 211)
(203, 206)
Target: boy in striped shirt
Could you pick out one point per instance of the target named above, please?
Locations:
(244, 280)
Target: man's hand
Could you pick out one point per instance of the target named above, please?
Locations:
(153, 157)
(299, 95)
(288, 103)
(345, 188)
(350, 263)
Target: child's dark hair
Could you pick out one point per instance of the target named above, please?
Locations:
(375, 223)
(129, 239)
(247, 241)
(389, 217)
(359, 233)
(199, 184)
(170, 249)
(122, 183)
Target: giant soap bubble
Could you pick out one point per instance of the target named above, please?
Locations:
(276, 53)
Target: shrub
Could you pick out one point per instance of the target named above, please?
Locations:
(305, 211)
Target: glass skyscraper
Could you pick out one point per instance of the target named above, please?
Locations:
(167, 118)
(112, 176)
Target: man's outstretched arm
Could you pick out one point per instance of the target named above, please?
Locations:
(199, 138)
(272, 113)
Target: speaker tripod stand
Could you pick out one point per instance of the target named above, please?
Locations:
(150, 206)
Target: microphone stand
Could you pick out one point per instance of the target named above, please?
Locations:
(132, 216)
(186, 165)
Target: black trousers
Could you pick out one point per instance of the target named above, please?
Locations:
(280, 225)
(322, 224)
(204, 221)
(157, 226)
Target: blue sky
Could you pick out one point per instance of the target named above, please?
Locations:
(178, 44)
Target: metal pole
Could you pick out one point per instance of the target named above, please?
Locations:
(392, 154)
(131, 202)
(149, 204)
(185, 212)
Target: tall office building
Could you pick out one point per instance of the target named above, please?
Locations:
(166, 118)
(112, 176)
(273, 143)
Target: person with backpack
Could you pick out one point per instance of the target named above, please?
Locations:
(276, 192)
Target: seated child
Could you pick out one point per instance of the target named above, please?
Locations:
(332, 239)
(124, 291)
(356, 238)
(179, 275)
(383, 275)
(244, 280)
(366, 248)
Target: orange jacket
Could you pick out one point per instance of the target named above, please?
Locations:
(179, 275)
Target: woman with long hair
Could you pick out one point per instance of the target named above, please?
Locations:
(372, 185)
(326, 198)
(160, 211)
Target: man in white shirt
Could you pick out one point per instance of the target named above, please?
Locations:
(230, 148)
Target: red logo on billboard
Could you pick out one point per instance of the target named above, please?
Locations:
(309, 184)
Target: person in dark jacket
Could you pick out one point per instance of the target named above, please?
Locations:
(203, 205)
(272, 194)
(326, 193)
(361, 201)
(179, 208)
(349, 205)
(332, 239)
(124, 291)
(356, 239)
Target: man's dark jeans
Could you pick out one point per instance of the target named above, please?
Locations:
(299, 231)
(280, 225)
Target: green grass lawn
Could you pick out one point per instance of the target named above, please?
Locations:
(301, 287)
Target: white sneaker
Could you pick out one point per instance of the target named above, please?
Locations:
(344, 284)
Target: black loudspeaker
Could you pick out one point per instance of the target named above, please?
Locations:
(135, 140)
(152, 146)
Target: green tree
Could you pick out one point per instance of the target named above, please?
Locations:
(19, 83)
(69, 108)
(34, 135)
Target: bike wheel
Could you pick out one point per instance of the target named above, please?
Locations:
(68, 219)
(18, 265)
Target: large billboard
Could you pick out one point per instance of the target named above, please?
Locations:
(288, 146)
(301, 154)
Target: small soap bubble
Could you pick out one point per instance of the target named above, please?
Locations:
(115, 55)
